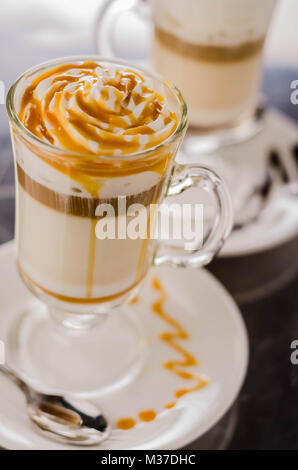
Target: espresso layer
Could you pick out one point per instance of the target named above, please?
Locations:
(82, 206)
(209, 53)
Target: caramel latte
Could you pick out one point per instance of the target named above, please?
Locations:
(85, 124)
(212, 50)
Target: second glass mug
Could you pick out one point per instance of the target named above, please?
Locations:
(211, 50)
(73, 345)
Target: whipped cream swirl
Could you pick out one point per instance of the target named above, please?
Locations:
(92, 109)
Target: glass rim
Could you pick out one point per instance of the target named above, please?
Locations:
(13, 116)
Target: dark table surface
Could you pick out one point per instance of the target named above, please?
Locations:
(268, 405)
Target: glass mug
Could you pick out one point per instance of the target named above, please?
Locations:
(211, 50)
(73, 343)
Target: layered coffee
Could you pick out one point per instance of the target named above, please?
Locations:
(94, 132)
(212, 50)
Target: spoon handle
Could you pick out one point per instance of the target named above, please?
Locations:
(14, 378)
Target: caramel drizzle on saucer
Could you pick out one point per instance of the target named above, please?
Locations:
(126, 423)
(147, 415)
(177, 367)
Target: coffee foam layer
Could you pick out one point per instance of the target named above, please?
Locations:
(59, 182)
(215, 22)
(80, 205)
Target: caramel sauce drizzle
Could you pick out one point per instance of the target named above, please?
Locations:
(88, 119)
(86, 104)
(126, 423)
(143, 257)
(177, 367)
(147, 415)
(135, 300)
(170, 405)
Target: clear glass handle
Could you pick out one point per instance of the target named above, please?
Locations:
(190, 176)
(123, 29)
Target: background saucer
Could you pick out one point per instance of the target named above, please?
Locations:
(217, 337)
(244, 166)
(259, 256)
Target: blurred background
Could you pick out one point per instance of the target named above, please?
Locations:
(33, 31)
(38, 30)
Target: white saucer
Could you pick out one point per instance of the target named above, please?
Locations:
(218, 339)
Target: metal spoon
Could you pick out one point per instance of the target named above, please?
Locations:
(76, 423)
